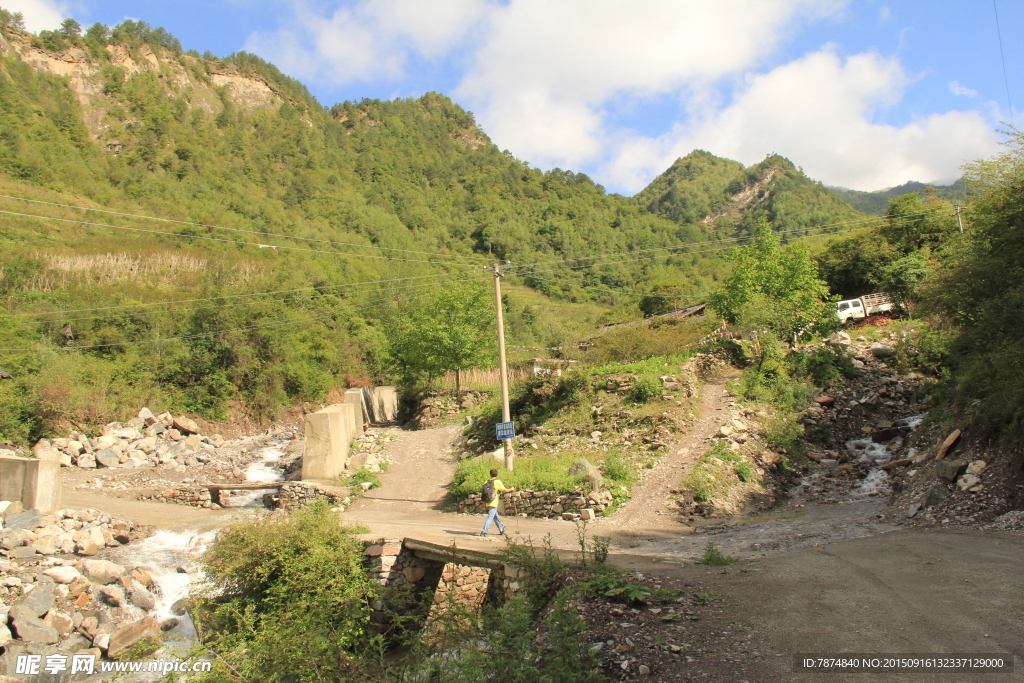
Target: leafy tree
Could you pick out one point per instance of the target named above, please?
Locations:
(454, 331)
(913, 223)
(980, 291)
(855, 265)
(774, 286)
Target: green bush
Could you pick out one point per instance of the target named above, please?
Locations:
(745, 471)
(540, 473)
(289, 601)
(645, 389)
(615, 469)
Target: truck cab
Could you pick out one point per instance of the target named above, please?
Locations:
(851, 309)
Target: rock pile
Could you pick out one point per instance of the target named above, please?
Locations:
(56, 598)
(145, 441)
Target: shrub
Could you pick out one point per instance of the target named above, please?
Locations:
(645, 389)
(745, 471)
(289, 600)
(615, 469)
(714, 557)
(539, 473)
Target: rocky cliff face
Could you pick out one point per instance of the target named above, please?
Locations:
(204, 84)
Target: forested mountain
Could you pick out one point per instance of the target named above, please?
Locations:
(876, 202)
(726, 199)
(308, 202)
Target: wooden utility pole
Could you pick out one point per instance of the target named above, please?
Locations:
(505, 413)
(958, 219)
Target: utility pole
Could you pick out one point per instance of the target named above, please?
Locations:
(958, 219)
(506, 415)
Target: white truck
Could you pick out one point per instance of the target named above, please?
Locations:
(862, 307)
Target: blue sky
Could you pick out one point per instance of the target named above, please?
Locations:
(860, 93)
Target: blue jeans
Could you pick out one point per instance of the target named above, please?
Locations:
(492, 516)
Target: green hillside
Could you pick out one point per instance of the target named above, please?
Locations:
(725, 199)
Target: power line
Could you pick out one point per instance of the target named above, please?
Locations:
(250, 232)
(238, 296)
(214, 333)
(727, 243)
(736, 239)
(1002, 58)
(216, 239)
(192, 309)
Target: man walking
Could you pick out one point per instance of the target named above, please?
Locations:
(491, 494)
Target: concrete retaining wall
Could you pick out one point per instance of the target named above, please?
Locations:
(36, 483)
(329, 431)
(327, 438)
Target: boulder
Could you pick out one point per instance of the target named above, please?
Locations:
(977, 467)
(588, 514)
(950, 470)
(40, 600)
(15, 539)
(147, 416)
(127, 636)
(935, 494)
(968, 481)
(947, 444)
(27, 520)
(86, 460)
(880, 350)
(143, 599)
(60, 621)
(186, 425)
(112, 595)
(584, 469)
(31, 628)
(106, 457)
(62, 575)
(103, 571)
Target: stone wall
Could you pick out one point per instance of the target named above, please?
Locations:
(543, 504)
(298, 494)
(196, 496)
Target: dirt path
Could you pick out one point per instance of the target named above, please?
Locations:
(646, 509)
(422, 464)
(411, 498)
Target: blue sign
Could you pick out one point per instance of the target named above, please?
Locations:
(504, 430)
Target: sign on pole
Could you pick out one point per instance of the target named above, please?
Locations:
(504, 430)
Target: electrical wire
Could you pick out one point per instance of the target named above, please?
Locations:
(920, 214)
(250, 232)
(214, 333)
(199, 308)
(216, 239)
(238, 296)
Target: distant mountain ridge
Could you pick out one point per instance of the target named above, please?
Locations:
(875, 202)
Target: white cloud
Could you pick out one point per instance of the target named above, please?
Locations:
(818, 112)
(961, 90)
(544, 76)
(39, 15)
(365, 40)
(570, 57)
